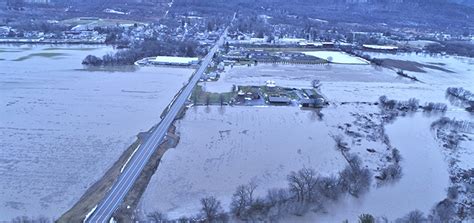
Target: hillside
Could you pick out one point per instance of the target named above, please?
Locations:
(436, 15)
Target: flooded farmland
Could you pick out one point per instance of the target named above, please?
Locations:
(215, 141)
(236, 146)
(62, 127)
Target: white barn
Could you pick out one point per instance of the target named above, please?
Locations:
(178, 61)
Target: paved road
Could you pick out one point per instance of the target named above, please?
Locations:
(127, 178)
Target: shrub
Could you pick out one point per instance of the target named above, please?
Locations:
(415, 216)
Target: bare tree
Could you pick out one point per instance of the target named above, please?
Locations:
(277, 200)
(342, 146)
(157, 217)
(310, 180)
(453, 192)
(195, 96)
(303, 184)
(415, 216)
(183, 220)
(296, 185)
(355, 179)
(43, 220)
(390, 173)
(239, 201)
(211, 209)
(251, 190)
(208, 99)
(329, 187)
(366, 218)
(242, 200)
(277, 196)
(396, 155)
(444, 211)
(22, 219)
(413, 104)
(221, 99)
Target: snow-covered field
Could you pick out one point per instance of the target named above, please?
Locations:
(337, 57)
(61, 126)
(221, 148)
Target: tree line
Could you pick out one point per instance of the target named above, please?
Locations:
(147, 48)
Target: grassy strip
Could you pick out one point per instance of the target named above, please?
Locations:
(125, 213)
(201, 97)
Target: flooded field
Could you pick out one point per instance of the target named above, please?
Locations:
(300, 76)
(62, 126)
(221, 148)
(238, 145)
(424, 181)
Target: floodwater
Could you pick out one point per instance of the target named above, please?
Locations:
(423, 184)
(221, 148)
(62, 126)
(300, 76)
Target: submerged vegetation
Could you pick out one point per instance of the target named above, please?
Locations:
(461, 97)
(391, 108)
(307, 191)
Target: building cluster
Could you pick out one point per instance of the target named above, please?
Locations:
(271, 94)
(10, 35)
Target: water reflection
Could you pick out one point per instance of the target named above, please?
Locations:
(208, 109)
(328, 66)
(314, 114)
(221, 110)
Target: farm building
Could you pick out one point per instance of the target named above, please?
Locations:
(177, 61)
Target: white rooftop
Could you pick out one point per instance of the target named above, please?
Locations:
(379, 47)
(180, 60)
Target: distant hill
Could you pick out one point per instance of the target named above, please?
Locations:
(441, 15)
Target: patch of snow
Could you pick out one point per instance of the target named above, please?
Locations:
(112, 11)
(129, 158)
(176, 60)
(291, 40)
(90, 213)
(379, 47)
